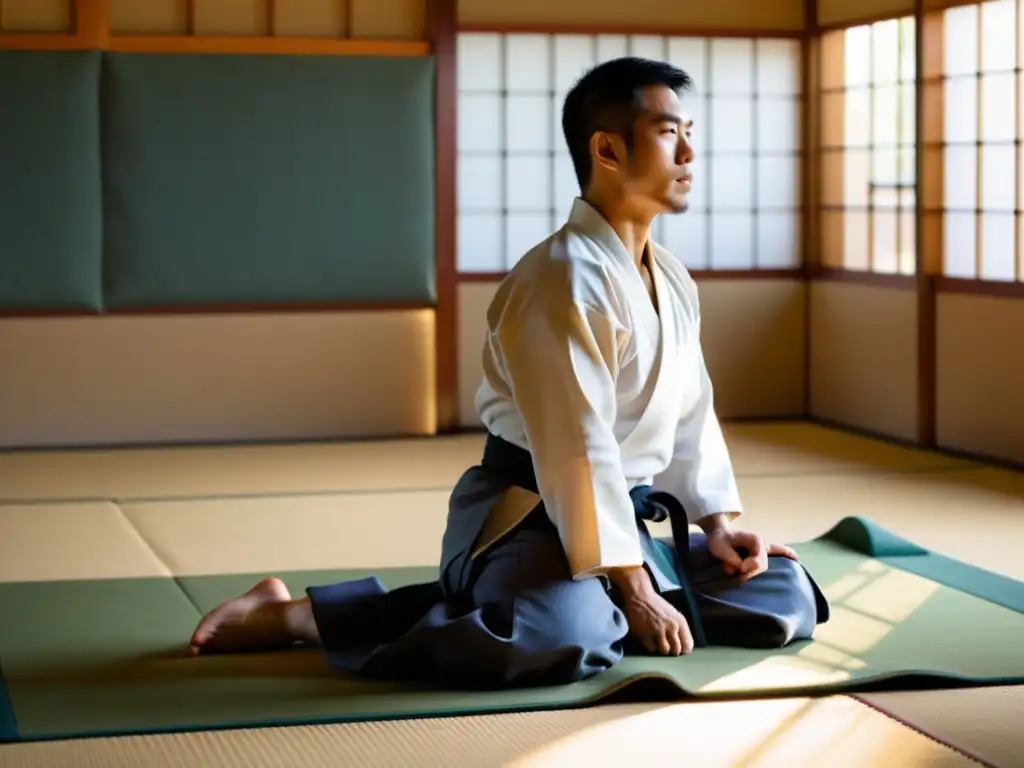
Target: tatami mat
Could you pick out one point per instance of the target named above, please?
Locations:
(967, 515)
(320, 532)
(72, 541)
(189, 472)
(775, 449)
(795, 733)
(984, 722)
(191, 511)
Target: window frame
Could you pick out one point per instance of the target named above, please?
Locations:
(835, 210)
(766, 222)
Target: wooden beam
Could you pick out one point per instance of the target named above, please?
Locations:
(285, 46)
(627, 29)
(284, 308)
(862, 277)
(25, 41)
(995, 288)
(441, 31)
(696, 274)
(869, 18)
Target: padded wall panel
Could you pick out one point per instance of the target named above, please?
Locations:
(197, 378)
(753, 338)
(50, 212)
(251, 179)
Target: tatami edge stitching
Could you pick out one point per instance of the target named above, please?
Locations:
(928, 734)
(142, 539)
(243, 495)
(168, 573)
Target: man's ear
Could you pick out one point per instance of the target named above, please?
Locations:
(608, 150)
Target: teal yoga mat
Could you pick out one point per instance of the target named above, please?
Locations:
(108, 657)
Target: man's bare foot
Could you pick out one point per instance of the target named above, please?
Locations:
(257, 620)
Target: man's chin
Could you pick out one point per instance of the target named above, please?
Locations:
(676, 205)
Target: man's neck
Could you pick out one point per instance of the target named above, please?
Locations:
(633, 229)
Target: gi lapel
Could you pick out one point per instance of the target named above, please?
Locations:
(664, 404)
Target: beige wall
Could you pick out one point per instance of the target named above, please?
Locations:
(864, 357)
(310, 375)
(864, 366)
(35, 15)
(191, 378)
(753, 337)
(253, 377)
(370, 18)
(980, 374)
(755, 344)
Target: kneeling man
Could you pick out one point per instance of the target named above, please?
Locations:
(600, 418)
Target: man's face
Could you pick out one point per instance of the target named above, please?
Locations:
(658, 176)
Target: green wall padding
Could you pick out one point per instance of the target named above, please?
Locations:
(51, 245)
(255, 179)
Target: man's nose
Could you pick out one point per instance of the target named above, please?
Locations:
(684, 152)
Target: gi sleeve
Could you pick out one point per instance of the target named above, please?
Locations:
(562, 363)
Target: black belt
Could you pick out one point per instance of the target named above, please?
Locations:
(672, 580)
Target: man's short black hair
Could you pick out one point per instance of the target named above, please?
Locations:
(607, 99)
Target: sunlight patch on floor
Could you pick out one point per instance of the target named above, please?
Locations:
(796, 733)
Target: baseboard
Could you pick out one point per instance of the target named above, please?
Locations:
(833, 424)
(476, 429)
(938, 450)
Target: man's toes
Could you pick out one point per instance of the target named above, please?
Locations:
(222, 627)
(203, 632)
(225, 612)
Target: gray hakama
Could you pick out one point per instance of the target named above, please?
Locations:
(512, 615)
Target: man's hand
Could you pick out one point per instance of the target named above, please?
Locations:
(652, 619)
(726, 544)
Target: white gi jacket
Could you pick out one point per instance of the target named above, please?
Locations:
(580, 370)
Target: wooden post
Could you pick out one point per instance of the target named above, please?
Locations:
(92, 23)
(441, 31)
